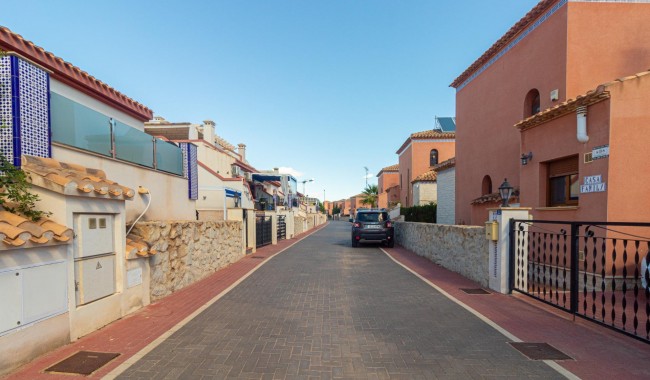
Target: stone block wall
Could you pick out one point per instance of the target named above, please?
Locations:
(189, 251)
(298, 226)
(462, 249)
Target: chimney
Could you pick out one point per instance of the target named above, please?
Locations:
(242, 151)
(276, 170)
(208, 131)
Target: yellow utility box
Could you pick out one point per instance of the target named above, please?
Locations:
(492, 230)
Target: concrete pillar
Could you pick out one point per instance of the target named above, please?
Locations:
(274, 228)
(499, 258)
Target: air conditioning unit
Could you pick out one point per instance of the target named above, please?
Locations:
(236, 171)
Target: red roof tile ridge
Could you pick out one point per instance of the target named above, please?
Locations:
(64, 177)
(444, 165)
(15, 43)
(427, 176)
(590, 97)
(530, 17)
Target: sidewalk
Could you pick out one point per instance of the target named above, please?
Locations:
(134, 332)
(598, 351)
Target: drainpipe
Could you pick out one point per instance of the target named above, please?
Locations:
(581, 114)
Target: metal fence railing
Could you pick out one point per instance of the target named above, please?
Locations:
(597, 271)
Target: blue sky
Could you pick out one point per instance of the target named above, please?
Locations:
(325, 87)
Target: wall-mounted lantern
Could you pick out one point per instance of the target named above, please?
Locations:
(505, 190)
(525, 157)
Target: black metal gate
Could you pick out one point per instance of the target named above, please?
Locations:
(263, 229)
(597, 271)
(282, 227)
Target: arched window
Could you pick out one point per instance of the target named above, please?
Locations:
(531, 103)
(486, 186)
(433, 157)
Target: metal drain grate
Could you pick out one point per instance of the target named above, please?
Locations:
(83, 362)
(540, 351)
(476, 291)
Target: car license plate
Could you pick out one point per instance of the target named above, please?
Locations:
(373, 226)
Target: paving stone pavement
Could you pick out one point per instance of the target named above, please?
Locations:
(323, 309)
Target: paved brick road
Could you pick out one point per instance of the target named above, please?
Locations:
(325, 310)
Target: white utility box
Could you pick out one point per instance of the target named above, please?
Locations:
(95, 278)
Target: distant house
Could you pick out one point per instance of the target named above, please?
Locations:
(388, 186)
(222, 172)
(82, 144)
(548, 66)
(52, 108)
(425, 188)
(421, 151)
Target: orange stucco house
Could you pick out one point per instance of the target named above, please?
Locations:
(388, 188)
(561, 50)
(418, 154)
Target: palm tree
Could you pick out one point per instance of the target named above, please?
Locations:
(370, 194)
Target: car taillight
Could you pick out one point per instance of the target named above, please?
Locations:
(357, 225)
(389, 224)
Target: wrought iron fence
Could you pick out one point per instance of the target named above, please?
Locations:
(282, 227)
(597, 271)
(263, 230)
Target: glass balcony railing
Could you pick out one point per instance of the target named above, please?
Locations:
(81, 127)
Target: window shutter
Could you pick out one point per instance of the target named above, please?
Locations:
(562, 167)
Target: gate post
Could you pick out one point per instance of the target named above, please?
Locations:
(274, 228)
(499, 246)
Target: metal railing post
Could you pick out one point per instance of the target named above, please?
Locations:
(512, 252)
(574, 267)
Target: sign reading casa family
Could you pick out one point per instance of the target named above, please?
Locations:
(593, 184)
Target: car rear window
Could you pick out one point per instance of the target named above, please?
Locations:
(372, 216)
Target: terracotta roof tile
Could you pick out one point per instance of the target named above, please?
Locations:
(70, 74)
(17, 231)
(570, 105)
(429, 176)
(533, 14)
(136, 247)
(495, 198)
(392, 168)
(72, 179)
(431, 134)
(444, 165)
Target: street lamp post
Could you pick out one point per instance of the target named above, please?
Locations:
(365, 167)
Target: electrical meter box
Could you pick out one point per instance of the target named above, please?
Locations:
(94, 278)
(94, 234)
(94, 269)
(492, 230)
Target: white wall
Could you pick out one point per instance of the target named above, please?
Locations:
(424, 193)
(92, 316)
(169, 199)
(446, 211)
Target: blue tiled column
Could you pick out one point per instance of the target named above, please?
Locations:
(190, 169)
(25, 110)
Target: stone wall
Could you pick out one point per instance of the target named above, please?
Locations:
(462, 249)
(188, 251)
(298, 225)
(446, 197)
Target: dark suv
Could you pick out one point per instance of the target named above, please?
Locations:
(372, 225)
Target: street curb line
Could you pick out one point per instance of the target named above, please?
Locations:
(561, 370)
(156, 342)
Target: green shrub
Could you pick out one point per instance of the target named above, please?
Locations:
(422, 214)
